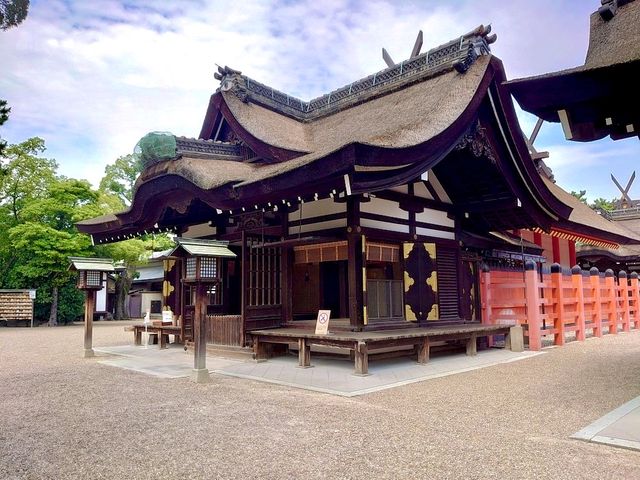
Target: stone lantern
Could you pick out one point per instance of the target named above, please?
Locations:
(92, 276)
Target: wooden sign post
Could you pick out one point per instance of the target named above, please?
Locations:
(322, 323)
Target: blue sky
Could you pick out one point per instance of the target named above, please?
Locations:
(92, 77)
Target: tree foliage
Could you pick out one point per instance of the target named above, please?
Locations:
(120, 177)
(38, 211)
(598, 203)
(581, 195)
(12, 12)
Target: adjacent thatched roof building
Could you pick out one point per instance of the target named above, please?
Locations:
(592, 100)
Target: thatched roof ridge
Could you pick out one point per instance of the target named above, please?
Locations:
(394, 120)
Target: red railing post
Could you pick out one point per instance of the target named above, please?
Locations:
(623, 283)
(532, 301)
(635, 296)
(594, 279)
(576, 280)
(612, 311)
(557, 295)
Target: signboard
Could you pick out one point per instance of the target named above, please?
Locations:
(32, 294)
(322, 323)
(167, 316)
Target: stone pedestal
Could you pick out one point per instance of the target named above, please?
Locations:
(515, 339)
(200, 375)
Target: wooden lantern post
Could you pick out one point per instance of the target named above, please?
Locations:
(92, 276)
(203, 270)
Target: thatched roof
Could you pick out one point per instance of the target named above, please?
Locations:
(585, 219)
(395, 120)
(616, 40)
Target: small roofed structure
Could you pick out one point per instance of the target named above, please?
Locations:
(599, 98)
(92, 276)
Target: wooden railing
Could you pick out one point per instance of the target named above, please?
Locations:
(225, 330)
(558, 305)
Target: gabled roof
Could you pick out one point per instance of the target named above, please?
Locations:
(205, 248)
(91, 264)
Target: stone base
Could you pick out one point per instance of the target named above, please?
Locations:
(200, 375)
(515, 339)
(88, 353)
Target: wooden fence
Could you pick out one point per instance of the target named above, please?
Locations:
(225, 330)
(559, 303)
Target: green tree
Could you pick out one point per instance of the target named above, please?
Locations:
(42, 254)
(38, 211)
(116, 190)
(602, 204)
(120, 177)
(12, 12)
(581, 195)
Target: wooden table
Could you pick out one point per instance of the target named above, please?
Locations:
(361, 342)
(162, 331)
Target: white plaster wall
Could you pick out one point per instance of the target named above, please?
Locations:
(326, 206)
(436, 217)
(388, 208)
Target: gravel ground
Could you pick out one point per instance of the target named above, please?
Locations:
(68, 417)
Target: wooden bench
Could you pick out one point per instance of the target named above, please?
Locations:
(361, 342)
(163, 333)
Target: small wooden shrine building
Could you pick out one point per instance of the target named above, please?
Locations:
(377, 201)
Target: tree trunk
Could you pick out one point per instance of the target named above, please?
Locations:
(123, 284)
(53, 314)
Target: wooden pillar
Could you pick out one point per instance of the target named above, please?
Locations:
(555, 242)
(572, 252)
(354, 264)
(578, 289)
(612, 296)
(532, 301)
(623, 283)
(356, 297)
(485, 294)
(361, 359)
(558, 303)
(594, 278)
(89, 309)
(423, 351)
(635, 296)
(304, 353)
(286, 287)
(200, 373)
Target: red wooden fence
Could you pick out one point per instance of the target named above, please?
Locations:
(558, 304)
